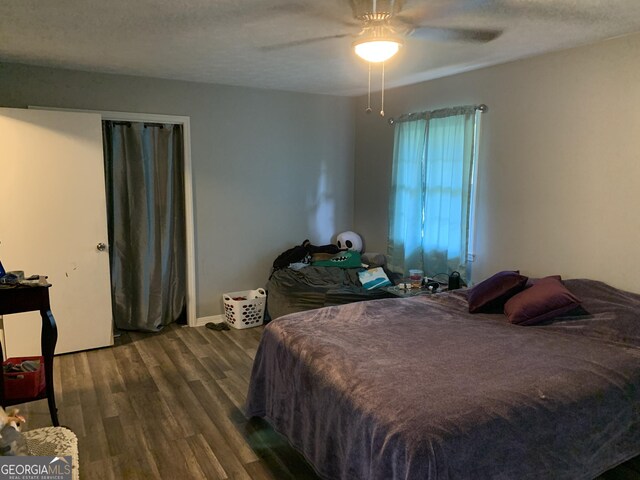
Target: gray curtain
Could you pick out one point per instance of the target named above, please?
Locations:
(144, 169)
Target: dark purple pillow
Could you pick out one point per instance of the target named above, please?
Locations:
(532, 281)
(547, 298)
(490, 295)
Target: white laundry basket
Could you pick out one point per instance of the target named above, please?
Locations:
(245, 313)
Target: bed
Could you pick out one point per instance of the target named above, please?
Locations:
(418, 388)
(291, 291)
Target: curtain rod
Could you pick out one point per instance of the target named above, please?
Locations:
(443, 112)
(128, 123)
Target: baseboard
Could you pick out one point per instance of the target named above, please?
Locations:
(202, 321)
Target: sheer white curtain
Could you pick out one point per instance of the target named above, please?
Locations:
(407, 196)
(431, 192)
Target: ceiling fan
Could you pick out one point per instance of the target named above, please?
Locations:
(383, 26)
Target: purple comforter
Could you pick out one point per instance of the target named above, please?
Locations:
(420, 389)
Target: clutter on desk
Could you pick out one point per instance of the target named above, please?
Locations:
(12, 278)
(16, 277)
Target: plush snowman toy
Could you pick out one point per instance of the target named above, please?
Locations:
(349, 241)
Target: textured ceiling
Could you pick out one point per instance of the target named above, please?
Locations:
(222, 41)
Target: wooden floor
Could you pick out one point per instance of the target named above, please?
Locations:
(169, 405)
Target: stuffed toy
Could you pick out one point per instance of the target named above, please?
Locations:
(344, 259)
(11, 419)
(11, 440)
(349, 241)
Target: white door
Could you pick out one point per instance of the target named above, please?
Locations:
(52, 216)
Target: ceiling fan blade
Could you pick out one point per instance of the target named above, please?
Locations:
(297, 43)
(548, 10)
(312, 10)
(425, 11)
(325, 15)
(456, 34)
(562, 13)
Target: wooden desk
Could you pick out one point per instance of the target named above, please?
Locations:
(27, 299)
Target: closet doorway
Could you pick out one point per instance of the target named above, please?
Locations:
(152, 126)
(149, 210)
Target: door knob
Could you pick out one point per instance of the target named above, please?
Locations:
(101, 247)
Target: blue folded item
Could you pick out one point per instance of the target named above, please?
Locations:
(373, 278)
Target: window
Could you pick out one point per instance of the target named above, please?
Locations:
(432, 191)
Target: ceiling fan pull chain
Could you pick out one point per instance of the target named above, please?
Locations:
(368, 110)
(382, 99)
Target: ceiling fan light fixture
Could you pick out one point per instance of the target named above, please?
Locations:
(376, 50)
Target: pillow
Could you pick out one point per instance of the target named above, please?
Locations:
(532, 281)
(547, 298)
(490, 295)
(373, 278)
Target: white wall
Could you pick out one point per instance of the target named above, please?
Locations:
(559, 176)
(270, 168)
